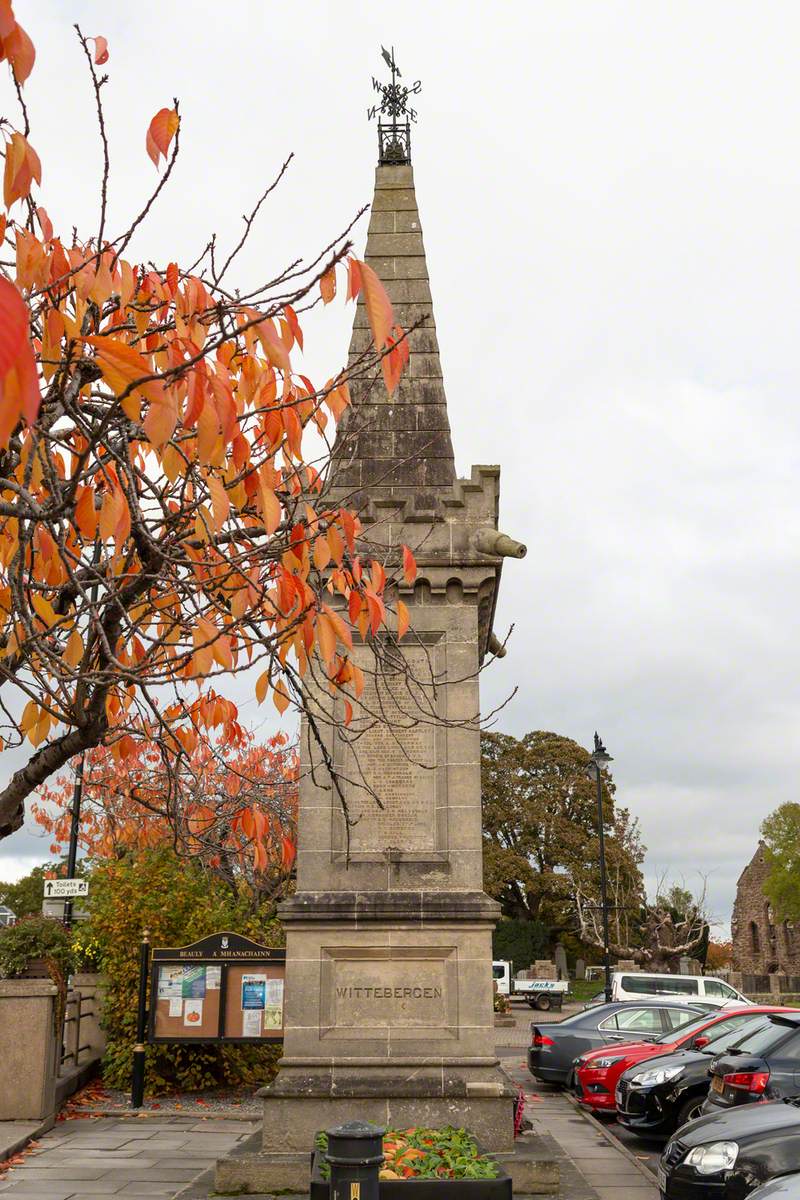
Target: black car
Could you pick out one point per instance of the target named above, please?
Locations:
(764, 1065)
(657, 1096)
(726, 1155)
(555, 1046)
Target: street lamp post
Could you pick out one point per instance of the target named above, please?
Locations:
(599, 759)
(77, 791)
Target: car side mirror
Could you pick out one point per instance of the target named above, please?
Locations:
(700, 1041)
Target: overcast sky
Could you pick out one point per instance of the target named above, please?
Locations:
(609, 194)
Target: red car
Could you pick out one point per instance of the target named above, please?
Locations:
(596, 1072)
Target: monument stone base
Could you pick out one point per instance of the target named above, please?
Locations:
(299, 1103)
(529, 1162)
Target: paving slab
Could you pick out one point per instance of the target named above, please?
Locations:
(16, 1134)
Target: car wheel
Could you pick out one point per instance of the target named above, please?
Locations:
(543, 1003)
(689, 1110)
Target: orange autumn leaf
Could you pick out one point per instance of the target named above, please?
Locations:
(21, 168)
(85, 513)
(353, 278)
(409, 566)
(280, 697)
(123, 367)
(262, 685)
(19, 50)
(327, 285)
(160, 133)
(377, 304)
(100, 50)
(288, 852)
(13, 324)
(402, 619)
(19, 384)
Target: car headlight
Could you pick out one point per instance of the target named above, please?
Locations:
(656, 1075)
(713, 1158)
(602, 1063)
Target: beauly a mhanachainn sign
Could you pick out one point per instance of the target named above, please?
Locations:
(224, 987)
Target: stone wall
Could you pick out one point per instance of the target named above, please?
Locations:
(29, 1050)
(761, 944)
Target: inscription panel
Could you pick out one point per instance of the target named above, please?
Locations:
(397, 752)
(369, 990)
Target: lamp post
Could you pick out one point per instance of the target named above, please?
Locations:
(599, 759)
(77, 791)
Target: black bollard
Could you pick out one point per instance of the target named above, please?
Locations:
(355, 1154)
(140, 1050)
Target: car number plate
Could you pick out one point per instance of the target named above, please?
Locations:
(662, 1180)
(717, 1085)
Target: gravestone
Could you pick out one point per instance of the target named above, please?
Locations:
(560, 957)
(580, 969)
(389, 991)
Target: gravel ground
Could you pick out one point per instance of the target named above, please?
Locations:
(217, 1102)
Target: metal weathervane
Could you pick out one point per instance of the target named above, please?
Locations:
(394, 133)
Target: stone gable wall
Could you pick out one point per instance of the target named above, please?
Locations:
(761, 944)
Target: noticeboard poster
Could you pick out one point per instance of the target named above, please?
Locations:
(228, 989)
(186, 1006)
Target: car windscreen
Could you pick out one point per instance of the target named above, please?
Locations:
(695, 1024)
(762, 1038)
(732, 1029)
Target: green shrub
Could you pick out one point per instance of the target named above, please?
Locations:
(178, 902)
(87, 949)
(35, 938)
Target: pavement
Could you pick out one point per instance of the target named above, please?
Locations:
(593, 1165)
(172, 1156)
(122, 1156)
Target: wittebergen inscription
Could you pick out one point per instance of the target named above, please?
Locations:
(387, 993)
(408, 989)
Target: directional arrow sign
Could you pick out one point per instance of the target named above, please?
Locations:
(57, 889)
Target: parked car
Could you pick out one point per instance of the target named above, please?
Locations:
(765, 1065)
(636, 984)
(597, 1072)
(785, 1187)
(728, 1154)
(554, 1048)
(656, 1097)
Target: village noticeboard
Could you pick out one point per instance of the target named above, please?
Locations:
(224, 988)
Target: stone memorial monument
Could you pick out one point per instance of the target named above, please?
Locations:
(389, 1013)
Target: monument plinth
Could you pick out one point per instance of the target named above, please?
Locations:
(389, 990)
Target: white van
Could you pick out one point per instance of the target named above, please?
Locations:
(634, 985)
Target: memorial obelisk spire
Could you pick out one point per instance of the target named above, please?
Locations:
(399, 445)
(389, 991)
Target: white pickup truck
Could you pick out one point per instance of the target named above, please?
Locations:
(539, 993)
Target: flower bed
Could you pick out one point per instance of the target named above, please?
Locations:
(434, 1163)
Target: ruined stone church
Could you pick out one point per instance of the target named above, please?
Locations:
(761, 944)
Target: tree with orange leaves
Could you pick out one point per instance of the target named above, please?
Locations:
(232, 806)
(161, 525)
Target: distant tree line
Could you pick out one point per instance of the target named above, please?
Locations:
(541, 857)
